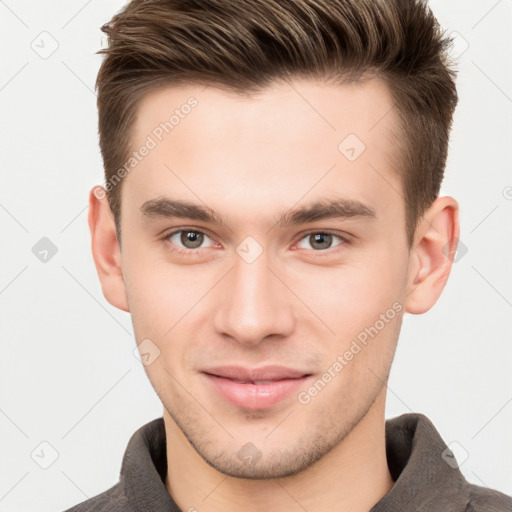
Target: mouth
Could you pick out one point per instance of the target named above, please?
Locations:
(255, 389)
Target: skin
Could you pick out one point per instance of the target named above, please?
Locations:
(299, 304)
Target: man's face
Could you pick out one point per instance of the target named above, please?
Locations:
(252, 289)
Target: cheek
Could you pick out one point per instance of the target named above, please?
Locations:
(350, 298)
(362, 303)
(366, 319)
(159, 293)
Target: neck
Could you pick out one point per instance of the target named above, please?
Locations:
(351, 477)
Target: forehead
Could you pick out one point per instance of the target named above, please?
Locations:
(303, 137)
(317, 108)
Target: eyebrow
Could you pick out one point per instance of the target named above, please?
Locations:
(320, 210)
(327, 209)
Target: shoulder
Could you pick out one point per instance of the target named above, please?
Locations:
(483, 499)
(112, 500)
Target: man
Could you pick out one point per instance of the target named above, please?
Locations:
(271, 210)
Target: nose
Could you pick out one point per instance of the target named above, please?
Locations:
(255, 304)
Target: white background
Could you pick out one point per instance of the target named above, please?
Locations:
(68, 375)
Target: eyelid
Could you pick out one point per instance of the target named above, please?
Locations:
(345, 239)
(167, 238)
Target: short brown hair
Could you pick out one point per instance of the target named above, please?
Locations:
(244, 45)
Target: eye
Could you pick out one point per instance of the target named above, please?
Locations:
(188, 239)
(321, 240)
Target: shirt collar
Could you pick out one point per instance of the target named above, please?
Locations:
(426, 474)
(426, 478)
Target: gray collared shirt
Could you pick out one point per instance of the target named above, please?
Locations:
(426, 475)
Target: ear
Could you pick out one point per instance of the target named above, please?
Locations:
(105, 249)
(432, 253)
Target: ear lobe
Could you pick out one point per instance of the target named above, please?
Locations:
(432, 255)
(105, 249)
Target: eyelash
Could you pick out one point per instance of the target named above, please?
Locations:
(320, 253)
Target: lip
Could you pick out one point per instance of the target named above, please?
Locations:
(255, 389)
